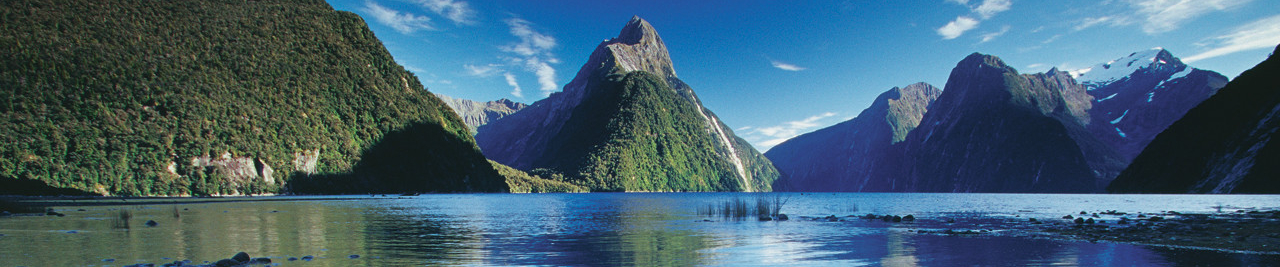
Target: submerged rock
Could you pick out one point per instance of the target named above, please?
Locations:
(152, 223)
(241, 257)
(908, 218)
(307, 258)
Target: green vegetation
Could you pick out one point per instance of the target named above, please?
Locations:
(635, 133)
(521, 182)
(121, 98)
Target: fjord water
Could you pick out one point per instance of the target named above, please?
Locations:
(600, 229)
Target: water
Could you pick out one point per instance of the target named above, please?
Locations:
(600, 229)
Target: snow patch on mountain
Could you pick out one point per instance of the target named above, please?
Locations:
(1117, 120)
(1119, 69)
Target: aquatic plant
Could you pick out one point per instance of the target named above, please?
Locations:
(739, 208)
(121, 220)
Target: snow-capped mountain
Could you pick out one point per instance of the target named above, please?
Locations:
(1223, 145)
(1139, 95)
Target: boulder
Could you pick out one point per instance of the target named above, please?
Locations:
(241, 257)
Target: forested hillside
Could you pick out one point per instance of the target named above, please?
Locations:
(218, 97)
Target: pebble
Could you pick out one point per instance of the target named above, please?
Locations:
(293, 258)
(307, 258)
(354, 256)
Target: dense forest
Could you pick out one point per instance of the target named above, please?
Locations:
(218, 97)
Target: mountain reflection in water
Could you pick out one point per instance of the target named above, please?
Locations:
(596, 229)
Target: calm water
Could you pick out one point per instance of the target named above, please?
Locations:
(599, 229)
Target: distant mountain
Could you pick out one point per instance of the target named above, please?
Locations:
(994, 130)
(626, 122)
(145, 98)
(476, 113)
(1138, 96)
(844, 157)
(1223, 145)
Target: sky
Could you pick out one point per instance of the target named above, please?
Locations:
(772, 70)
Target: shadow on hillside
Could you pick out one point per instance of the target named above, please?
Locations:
(27, 187)
(418, 158)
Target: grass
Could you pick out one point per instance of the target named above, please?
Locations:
(739, 208)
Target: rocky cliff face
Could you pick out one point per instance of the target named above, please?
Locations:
(599, 120)
(1138, 96)
(1223, 145)
(845, 156)
(476, 113)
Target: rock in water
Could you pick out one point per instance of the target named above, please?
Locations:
(241, 257)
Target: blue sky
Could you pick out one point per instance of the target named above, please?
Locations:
(775, 69)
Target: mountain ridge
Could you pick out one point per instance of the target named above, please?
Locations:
(597, 115)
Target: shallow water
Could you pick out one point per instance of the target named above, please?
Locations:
(601, 229)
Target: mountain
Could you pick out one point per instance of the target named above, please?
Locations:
(1138, 96)
(1223, 145)
(994, 130)
(626, 122)
(219, 97)
(843, 157)
(476, 113)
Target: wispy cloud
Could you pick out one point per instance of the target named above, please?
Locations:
(987, 37)
(1035, 65)
(533, 53)
(457, 11)
(482, 71)
(1103, 20)
(1156, 16)
(1166, 15)
(767, 137)
(957, 27)
(990, 8)
(786, 66)
(404, 23)
(515, 87)
(1263, 33)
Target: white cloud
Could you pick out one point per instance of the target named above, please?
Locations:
(990, 8)
(1090, 22)
(987, 37)
(1166, 15)
(482, 71)
(457, 11)
(546, 75)
(1263, 33)
(1051, 39)
(533, 53)
(962, 2)
(957, 27)
(515, 87)
(531, 42)
(404, 23)
(786, 66)
(767, 137)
